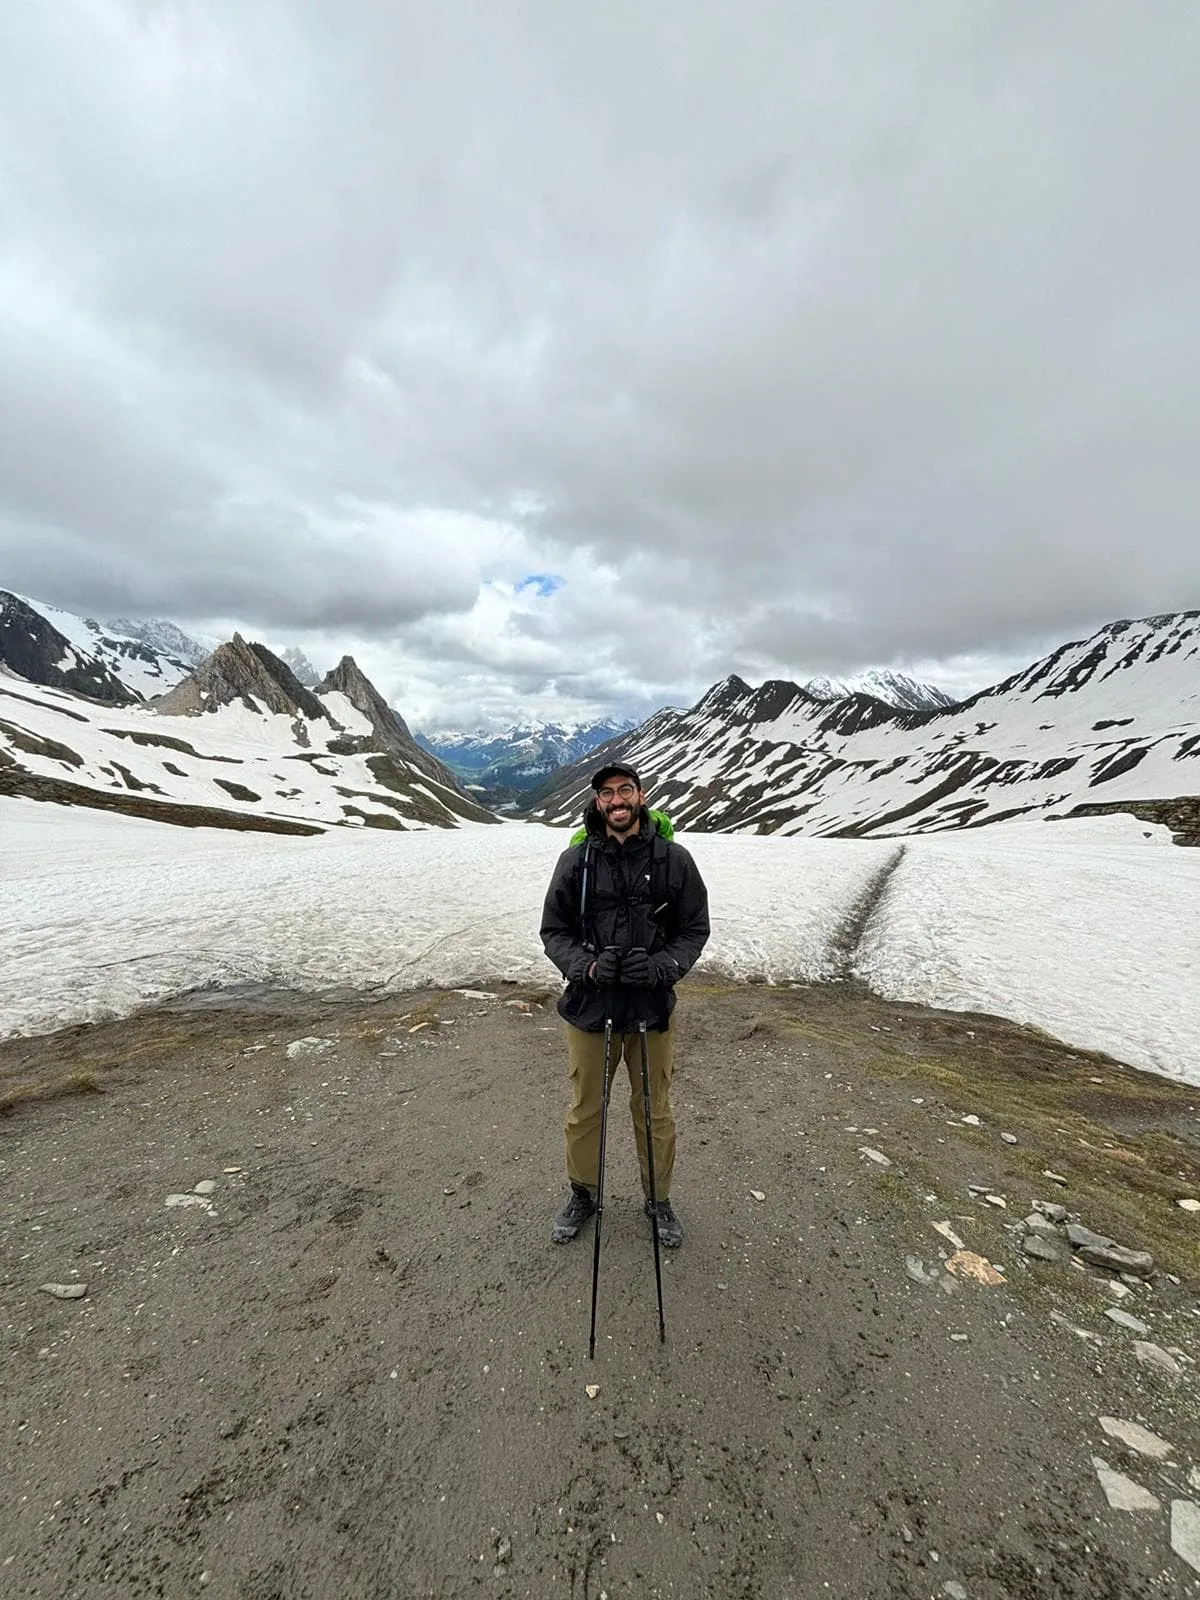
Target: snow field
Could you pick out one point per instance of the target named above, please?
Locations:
(1089, 930)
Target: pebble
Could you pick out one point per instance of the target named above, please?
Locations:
(1137, 1437)
(959, 1338)
(1122, 1493)
(1123, 1319)
(972, 1121)
(757, 1194)
(64, 1291)
(1055, 1177)
(183, 1200)
(874, 1155)
(1188, 1205)
(1153, 1355)
(954, 1591)
(1009, 1138)
(206, 1186)
(996, 1200)
(1118, 1290)
(948, 1233)
(1185, 1531)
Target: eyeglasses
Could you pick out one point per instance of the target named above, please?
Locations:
(625, 792)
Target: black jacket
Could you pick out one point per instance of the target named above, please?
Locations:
(645, 891)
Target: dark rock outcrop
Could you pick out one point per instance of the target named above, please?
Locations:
(35, 650)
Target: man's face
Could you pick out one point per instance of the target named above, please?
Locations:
(620, 801)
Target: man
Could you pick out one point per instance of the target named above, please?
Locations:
(626, 915)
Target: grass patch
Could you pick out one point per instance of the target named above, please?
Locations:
(72, 1083)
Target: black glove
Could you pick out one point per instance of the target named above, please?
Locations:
(637, 969)
(607, 965)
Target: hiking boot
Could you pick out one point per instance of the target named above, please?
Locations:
(670, 1229)
(578, 1210)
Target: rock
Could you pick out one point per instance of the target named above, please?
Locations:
(593, 1389)
(1124, 1320)
(504, 1549)
(1118, 1290)
(966, 1264)
(1137, 1438)
(1194, 1477)
(916, 1270)
(308, 1046)
(1073, 1327)
(755, 1194)
(958, 1338)
(1121, 1492)
(1033, 1244)
(1188, 1205)
(948, 1233)
(954, 1591)
(64, 1291)
(1051, 1210)
(972, 1121)
(178, 1200)
(996, 1200)
(206, 1186)
(1035, 1222)
(1153, 1355)
(874, 1155)
(1116, 1258)
(1078, 1236)
(1185, 1531)
(1055, 1177)
(1009, 1138)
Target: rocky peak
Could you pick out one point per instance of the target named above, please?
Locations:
(243, 673)
(390, 729)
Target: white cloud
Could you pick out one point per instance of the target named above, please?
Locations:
(814, 338)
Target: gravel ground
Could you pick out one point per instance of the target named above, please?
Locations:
(359, 1368)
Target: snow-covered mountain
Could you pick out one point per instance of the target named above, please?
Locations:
(55, 647)
(163, 637)
(238, 743)
(301, 666)
(521, 757)
(1100, 722)
(893, 688)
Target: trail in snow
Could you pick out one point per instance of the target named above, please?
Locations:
(1089, 930)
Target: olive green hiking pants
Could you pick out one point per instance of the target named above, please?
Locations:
(585, 1052)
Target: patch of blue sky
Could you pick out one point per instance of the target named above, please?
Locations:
(543, 583)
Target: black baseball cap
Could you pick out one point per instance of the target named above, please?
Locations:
(614, 769)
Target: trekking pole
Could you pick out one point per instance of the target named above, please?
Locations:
(608, 1029)
(662, 1327)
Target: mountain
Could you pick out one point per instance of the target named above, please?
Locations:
(301, 666)
(56, 648)
(1103, 723)
(893, 688)
(163, 637)
(240, 742)
(505, 766)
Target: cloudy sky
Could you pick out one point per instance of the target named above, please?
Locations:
(561, 359)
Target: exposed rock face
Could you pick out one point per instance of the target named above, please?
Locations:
(243, 673)
(391, 730)
(33, 648)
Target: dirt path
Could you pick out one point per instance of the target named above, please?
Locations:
(363, 1371)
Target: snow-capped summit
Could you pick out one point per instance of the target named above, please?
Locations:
(893, 688)
(163, 637)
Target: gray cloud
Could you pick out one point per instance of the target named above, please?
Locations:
(817, 337)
